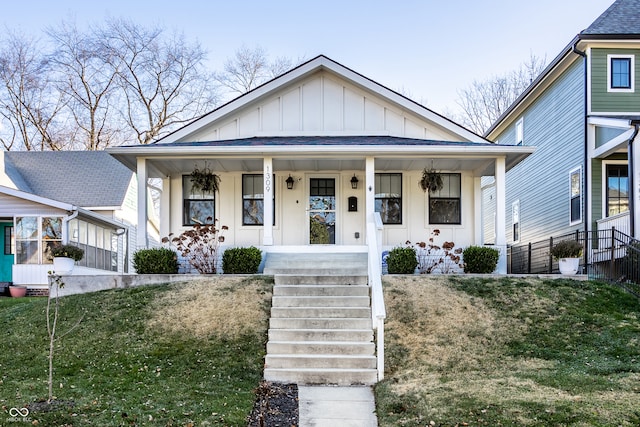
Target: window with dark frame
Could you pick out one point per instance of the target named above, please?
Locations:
(620, 73)
(576, 196)
(444, 205)
(617, 189)
(388, 197)
(198, 207)
(8, 240)
(253, 199)
(515, 219)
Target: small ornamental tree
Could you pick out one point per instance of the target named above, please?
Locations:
(55, 284)
(199, 245)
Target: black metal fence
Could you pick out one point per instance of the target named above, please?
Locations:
(608, 255)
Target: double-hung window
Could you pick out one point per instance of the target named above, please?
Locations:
(198, 206)
(388, 197)
(575, 185)
(253, 200)
(620, 73)
(444, 205)
(515, 219)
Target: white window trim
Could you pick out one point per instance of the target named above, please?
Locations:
(515, 209)
(632, 73)
(571, 172)
(605, 163)
(520, 131)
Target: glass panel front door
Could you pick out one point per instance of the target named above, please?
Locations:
(322, 211)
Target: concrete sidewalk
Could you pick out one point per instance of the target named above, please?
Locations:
(332, 406)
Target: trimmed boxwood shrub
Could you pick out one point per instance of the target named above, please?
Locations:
(241, 260)
(155, 261)
(402, 261)
(478, 259)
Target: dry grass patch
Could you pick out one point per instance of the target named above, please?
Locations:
(508, 352)
(222, 306)
(439, 328)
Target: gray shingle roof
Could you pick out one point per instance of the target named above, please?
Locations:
(318, 141)
(81, 178)
(621, 18)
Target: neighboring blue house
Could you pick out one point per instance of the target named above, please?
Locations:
(582, 114)
(86, 198)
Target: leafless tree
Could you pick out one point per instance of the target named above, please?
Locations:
(484, 101)
(249, 68)
(87, 85)
(163, 81)
(28, 106)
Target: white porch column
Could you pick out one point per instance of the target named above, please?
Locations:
(636, 185)
(141, 233)
(267, 233)
(501, 227)
(369, 182)
(478, 207)
(165, 208)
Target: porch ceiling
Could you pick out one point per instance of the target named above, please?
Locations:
(170, 167)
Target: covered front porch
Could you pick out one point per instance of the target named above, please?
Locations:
(325, 190)
(614, 174)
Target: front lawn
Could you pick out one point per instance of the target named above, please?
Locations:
(526, 352)
(170, 355)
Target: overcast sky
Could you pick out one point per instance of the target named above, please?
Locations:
(426, 49)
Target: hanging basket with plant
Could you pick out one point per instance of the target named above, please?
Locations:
(431, 180)
(204, 179)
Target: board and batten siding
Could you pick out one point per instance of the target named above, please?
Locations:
(322, 104)
(613, 102)
(554, 124)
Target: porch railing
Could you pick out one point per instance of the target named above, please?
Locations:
(378, 311)
(620, 222)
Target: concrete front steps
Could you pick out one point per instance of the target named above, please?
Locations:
(320, 328)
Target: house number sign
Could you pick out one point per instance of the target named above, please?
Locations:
(267, 179)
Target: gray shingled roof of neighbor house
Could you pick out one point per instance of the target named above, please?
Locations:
(622, 17)
(81, 178)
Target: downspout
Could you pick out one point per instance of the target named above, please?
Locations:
(586, 139)
(632, 190)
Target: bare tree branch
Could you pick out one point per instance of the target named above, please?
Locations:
(484, 101)
(28, 107)
(162, 77)
(249, 68)
(86, 83)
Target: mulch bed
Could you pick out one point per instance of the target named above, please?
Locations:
(276, 405)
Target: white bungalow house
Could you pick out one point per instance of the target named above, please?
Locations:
(327, 148)
(85, 198)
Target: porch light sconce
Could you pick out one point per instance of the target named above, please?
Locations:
(354, 182)
(290, 182)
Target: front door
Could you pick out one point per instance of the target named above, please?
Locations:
(6, 252)
(322, 211)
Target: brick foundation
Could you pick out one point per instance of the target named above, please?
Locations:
(37, 292)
